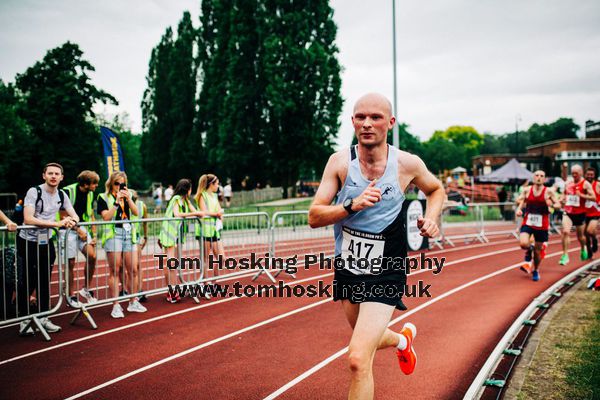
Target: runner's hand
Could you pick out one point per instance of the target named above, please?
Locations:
(519, 213)
(368, 198)
(428, 227)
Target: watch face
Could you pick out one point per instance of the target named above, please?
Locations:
(347, 202)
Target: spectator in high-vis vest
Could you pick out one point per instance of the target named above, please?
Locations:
(212, 223)
(117, 206)
(80, 238)
(139, 237)
(172, 232)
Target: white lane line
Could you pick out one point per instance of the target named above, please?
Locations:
(160, 317)
(147, 321)
(203, 345)
(340, 353)
(254, 271)
(157, 318)
(196, 348)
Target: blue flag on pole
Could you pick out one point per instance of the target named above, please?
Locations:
(112, 151)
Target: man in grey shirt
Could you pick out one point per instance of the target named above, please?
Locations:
(35, 246)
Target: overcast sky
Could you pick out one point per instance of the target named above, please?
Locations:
(467, 62)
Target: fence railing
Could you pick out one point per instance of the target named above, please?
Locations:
(27, 293)
(148, 258)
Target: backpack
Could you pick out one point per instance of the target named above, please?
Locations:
(18, 216)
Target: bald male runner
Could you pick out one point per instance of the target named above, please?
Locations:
(369, 181)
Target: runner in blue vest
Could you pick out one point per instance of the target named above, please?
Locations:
(212, 224)
(172, 232)
(370, 180)
(117, 205)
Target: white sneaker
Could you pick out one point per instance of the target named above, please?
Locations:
(204, 289)
(49, 326)
(73, 302)
(117, 311)
(86, 294)
(135, 306)
(22, 331)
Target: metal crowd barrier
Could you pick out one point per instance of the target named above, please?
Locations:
(27, 291)
(494, 222)
(139, 273)
(477, 221)
(241, 235)
(291, 235)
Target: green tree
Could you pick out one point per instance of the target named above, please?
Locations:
(493, 144)
(302, 96)
(170, 149)
(241, 148)
(465, 138)
(58, 98)
(186, 153)
(15, 136)
(213, 39)
(157, 124)
(440, 154)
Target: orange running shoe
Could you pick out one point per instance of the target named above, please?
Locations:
(407, 357)
(526, 267)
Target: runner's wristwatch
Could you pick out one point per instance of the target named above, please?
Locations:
(348, 206)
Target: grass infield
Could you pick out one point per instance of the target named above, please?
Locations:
(567, 362)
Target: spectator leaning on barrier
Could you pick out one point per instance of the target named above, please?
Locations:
(173, 231)
(139, 236)
(36, 247)
(81, 195)
(206, 198)
(117, 205)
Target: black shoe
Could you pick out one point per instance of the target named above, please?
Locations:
(142, 299)
(123, 293)
(401, 306)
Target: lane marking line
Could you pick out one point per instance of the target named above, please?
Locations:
(341, 352)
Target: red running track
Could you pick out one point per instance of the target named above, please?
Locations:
(252, 347)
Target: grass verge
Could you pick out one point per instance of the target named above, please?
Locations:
(567, 362)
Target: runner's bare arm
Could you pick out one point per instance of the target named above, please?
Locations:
(521, 201)
(321, 212)
(589, 191)
(552, 200)
(434, 191)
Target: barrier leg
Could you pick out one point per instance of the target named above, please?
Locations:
(38, 325)
(263, 271)
(87, 314)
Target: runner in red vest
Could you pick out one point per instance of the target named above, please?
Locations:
(576, 193)
(536, 199)
(592, 213)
